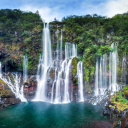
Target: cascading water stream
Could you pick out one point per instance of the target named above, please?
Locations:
(14, 83)
(44, 63)
(57, 49)
(80, 81)
(66, 82)
(61, 81)
(60, 87)
(113, 63)
(101, 73)
(123, 72)
(25, 68)
(61, 42)
(96, 80)
(101, 76)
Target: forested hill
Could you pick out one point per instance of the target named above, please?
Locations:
(94, 36)
(21, 34)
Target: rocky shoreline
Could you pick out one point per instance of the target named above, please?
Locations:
(6, 102)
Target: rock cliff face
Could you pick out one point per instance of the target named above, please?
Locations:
(20, 34)
(7, 98)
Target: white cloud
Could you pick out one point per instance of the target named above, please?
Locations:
(46, 13)
(116, 7)
(108, 8)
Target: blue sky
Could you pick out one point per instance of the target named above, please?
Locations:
(49, 9)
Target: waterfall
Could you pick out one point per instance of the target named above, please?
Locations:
(70, 50)
(101, 80)
(25, 68)
(45, 62)
(53, 86)
(61, 82)
(80, 81)
(57, 49)
(14, 83)
(0, 70)
(113, 63)
(96, 80)
(101, 76)
(60, 92)
(101, 72)
(61, 42)
(66, 81)
(123, 71)
(104, 72)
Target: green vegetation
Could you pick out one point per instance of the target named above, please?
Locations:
(20, 34)
(74, 70)
(121, 99)
(93, 35)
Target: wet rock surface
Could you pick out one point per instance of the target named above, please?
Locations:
(7, 98)
(5, 102)
(30, 87)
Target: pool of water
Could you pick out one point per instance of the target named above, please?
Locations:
(46, 115)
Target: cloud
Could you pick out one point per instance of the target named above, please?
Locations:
(51, 9)
(48, 14)
(116, 7)
(107, 8)
(93, 8)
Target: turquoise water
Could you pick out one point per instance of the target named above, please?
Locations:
(45, 115)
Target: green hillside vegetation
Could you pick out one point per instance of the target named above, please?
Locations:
(21, 34)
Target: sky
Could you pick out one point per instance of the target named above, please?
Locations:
(51, 9)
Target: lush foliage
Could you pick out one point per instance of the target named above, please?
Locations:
(94, 35)
(20, 34)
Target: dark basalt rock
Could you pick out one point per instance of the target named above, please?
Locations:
(116, 110)
(117, 99)
(107, 113)
(5, 102)
(121, 114)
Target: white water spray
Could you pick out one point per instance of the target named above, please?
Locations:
(14, 83)
(96, 80)
(113, 63)
(25, 68)
(44, 63)
(123, 71)
(80, 81)
(61, 82)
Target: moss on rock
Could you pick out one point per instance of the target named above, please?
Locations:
(74, 70)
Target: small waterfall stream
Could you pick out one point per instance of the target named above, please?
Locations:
(61, 42)
(106, 79)
(80, 81)
(61, 82)
(113, 63)
(123, 72)
(25, 68)
(96, 80)
(14, 83)
(45, 63)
